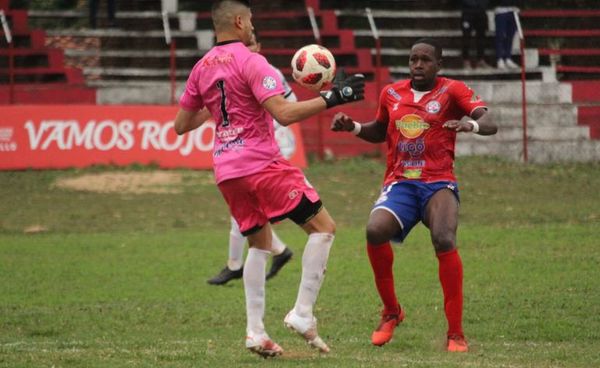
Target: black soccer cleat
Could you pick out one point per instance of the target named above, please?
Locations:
(279, 261)
(226, 275)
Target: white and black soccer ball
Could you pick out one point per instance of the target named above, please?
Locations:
(313, 66)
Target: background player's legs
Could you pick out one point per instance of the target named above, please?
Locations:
(441, 217)
(236, 247)
(233, 269)
(281, 255)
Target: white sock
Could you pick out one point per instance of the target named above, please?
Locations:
(254, 287)
(314, 263)
(277, 246)
(236, 247)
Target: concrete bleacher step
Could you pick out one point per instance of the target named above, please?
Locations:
(491, 74)
(77, 19)
(538, 92)
(130, 40)
(534, 132)
(537, 151)
(294, 39)
(389, 4)
(137, 73)
(538, 115)
(404, 19)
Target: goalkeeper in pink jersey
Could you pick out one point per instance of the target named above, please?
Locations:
(281, 254)
(419, 119)
(243, 93)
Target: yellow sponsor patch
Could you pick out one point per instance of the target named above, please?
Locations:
(411, 125)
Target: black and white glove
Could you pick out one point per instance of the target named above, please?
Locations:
(345, 89)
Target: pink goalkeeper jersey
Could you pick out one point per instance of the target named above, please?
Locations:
(233, 82)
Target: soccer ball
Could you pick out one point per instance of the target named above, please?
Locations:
(313, 66)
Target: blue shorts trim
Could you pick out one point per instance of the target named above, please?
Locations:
(407, 200)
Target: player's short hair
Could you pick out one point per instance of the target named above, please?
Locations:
(223, 10)
(431, 42)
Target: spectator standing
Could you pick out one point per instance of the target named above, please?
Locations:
(110, 12)
(505, 31)
(474, 19)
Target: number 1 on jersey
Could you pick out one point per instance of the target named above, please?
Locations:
(221, 87)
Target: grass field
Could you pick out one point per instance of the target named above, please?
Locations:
(119, 279)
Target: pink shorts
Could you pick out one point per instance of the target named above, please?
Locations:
(267, 195)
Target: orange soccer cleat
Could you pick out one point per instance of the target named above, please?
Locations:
(385, 331)
(457, 344)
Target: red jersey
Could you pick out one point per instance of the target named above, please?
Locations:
(419, 148)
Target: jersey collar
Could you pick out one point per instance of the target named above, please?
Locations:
(226, 42)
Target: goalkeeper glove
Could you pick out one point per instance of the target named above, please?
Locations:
(345, 89)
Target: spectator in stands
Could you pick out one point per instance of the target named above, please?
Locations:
(474, 18)
(110, 9)
(505, 32)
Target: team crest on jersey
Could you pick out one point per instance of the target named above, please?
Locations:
(433, 107)
(411, 125)
(269, 82)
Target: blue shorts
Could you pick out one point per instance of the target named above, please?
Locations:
(406, 201)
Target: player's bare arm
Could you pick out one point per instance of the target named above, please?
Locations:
(287, 113)
(190, 120)
(373, 131)
(480, 123)
(345, 89)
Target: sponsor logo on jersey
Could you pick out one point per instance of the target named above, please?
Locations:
(217, 60)
(414, 148)
(433, 107)
(412, 173)
(269, 83)
(413, 163)
(411, 125)
(392, 92)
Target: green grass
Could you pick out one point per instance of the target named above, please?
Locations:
(118, 280)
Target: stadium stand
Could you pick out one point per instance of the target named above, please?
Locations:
(130, 63)
(39, 73)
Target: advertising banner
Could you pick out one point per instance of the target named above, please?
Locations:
(64, 136)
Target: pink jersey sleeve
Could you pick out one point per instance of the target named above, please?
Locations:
(262, 78)
(191, 99)
(465, 97)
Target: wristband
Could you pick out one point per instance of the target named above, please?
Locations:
(357, 128)
(475, 126)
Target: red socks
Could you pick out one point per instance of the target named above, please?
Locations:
(451, 278)
(382, 260)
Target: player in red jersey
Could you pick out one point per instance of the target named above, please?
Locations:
(419, 119)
